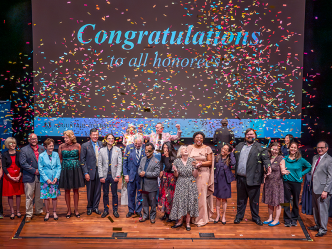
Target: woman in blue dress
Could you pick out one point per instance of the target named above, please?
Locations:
(49, 168)
(71, 172)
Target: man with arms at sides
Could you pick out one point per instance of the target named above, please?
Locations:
(109, 170)
(149, 170)
(29, 163)
(131, 161)
(321, 183)
(159, 137)
(251, 160)
(89, 163)
(223, 136)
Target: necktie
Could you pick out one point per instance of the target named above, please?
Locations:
(137, 155)
(96, 150)
(315, 167)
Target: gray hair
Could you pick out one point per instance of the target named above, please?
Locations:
(138, 137)
(179, 154)
(326, 145)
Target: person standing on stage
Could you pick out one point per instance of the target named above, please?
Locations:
(89, 161)
(71, 176)
(132, 158)
(185, 201)
(292, 182)
(49, 167)
(159, 137)
(131, 132)
(223, 178)
(109, 170)
(168, 180)
(273, 191)
(204, 161)
(223, 136)
(285, 148)
(251, 160)
(12, 181)
(321, 183)
(29, 163)
(149, 170)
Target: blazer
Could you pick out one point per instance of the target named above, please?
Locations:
(116, 163)
(49, 170)
(29, 163)
(258, 158)
(322, 178)
(151, 174)
(130, 166)
(227, 169)
(221, 136)
(7, 161)
(88, 158)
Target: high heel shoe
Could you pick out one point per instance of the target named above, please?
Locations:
(216, 221)
(78, 215)
(46, 219)
(55, 218)
(224, 223)
(68, 216)
(18, 216)
(188, 228)
(12, 217)
(164, 217)
(176, 226)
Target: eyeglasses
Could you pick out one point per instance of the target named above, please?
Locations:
(149, 150)
(321, 148)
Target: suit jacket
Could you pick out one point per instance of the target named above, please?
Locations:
(7, 161)
(29, 163)
(130, 166)
(258, 158)
(221, 136)
(322, 178)
(151, 174)
(116, 163)
(49, 170)
(88, 158)
(166, 137)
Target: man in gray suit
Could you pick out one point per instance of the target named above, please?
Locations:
(29, 162)
(109, 170)
(321, 182)
(149, 170)
(89, 156)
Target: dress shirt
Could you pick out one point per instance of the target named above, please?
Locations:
(94, 145)
(109, 160)
(313, 168)
(242, 167)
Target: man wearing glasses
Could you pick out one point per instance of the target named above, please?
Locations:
(149, 170)
(321, 183)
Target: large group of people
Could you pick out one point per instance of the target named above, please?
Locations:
(181, 183)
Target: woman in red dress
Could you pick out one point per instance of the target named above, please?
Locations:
(12, 181)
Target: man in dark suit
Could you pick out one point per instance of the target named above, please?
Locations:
(223, 135)
(321, 182)
(149, 170)
(131, 161)
(29, 162)
(251, 158)
(89, 161)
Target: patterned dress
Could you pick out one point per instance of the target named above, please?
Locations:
(49, 191)
(71, 172)
(273, 191)
(186, 193)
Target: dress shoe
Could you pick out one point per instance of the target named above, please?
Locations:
(89, 212)
(319, 234)
(188, 228)
(169, 220)
(294, 223)
(267, 222)
(116, 214)
(259, 222)
(164, 217)
(12, 216)
(237, 221)
(143, 220)
(46, 219)
(1, 216)
(273, 225)
(314, 228)
(97, 211)
(129, 214)
(153, 221)
(27, 219)
(224, 223)
(105, 213)
(176, 226)
(139, 214)
(288, 224)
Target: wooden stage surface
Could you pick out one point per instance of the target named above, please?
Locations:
(93, 231)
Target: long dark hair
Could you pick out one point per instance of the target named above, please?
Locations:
(228, 159)
(298, 153)
(171, 152)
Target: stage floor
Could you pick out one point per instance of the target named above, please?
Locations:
(94, 231)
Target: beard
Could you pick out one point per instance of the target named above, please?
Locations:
(250, 140)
